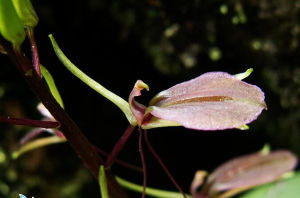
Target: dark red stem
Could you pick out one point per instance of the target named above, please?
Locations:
(30, 123)
(34, 51)
(73, 134)
(162, 164)
(143, 162)
(119, 146)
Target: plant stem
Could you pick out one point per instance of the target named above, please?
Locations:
(34, 51)
(120, 162)
(119, 146)
(29, 122)
(73, 134)
(162, 164)
(143, 162)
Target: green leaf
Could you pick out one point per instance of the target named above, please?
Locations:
(117, 100)
(102, 183)
(26, 12)
(11, 26)
(288, 188)
(51, 84)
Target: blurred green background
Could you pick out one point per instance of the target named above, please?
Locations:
(162, 43)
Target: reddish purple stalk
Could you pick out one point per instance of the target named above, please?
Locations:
(120, 162)
(28, 122)
(121, 143)
(143, 162)
(119, 146)
(162, 164)
(34, 51)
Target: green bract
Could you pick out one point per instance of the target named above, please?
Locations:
(26, 12)
(11, 26)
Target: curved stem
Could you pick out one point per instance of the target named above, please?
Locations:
(143, 162)
(162, 164)
(119, 146)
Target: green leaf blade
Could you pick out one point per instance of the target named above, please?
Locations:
(11, 26)
(51, 84)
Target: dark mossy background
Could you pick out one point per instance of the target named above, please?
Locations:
(161, 43)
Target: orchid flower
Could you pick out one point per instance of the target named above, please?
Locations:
(212, 101)
(243, 173)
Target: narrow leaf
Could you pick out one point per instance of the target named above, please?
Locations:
(51, 84)
(213, 101)
(41, 142)
(103, 183)
(118, 101)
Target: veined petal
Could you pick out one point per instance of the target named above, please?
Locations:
(212, 101)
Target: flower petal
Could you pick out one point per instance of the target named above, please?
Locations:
(212, 101)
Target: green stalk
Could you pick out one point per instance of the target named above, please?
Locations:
(149, 191)
(102, 183)
(117, 100)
